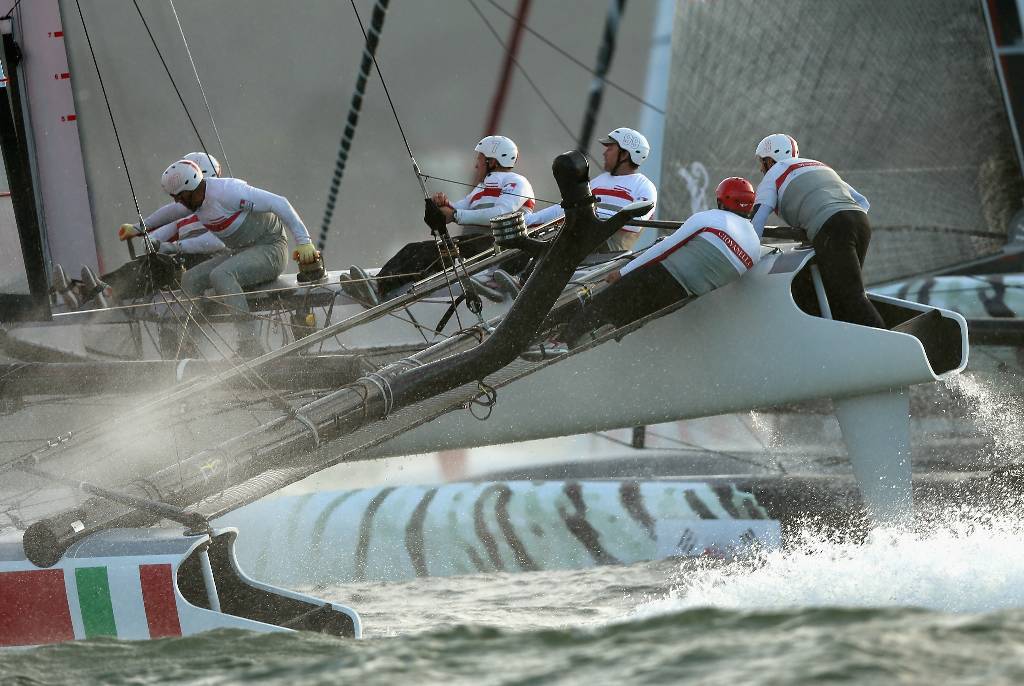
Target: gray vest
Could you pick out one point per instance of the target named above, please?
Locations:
(700, 267)
(814, 196)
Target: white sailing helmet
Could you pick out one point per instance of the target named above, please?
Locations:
(498, 148)
(207, 162)
(183, 175)
(631, 141)
(778, 147)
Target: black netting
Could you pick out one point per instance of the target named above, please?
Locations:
(900, 97)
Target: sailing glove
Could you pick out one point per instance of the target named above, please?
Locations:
(306, 254)
(128, 231)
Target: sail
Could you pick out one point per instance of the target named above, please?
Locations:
(904, 103)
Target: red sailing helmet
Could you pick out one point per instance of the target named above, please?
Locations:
(736, 194)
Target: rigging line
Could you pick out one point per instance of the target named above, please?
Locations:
(169, 76)
(356, 105)
(551, 44)
(438, 241)
(243, 366)
(604, 62)
(11, 11)
(467, 184)
(188, 50)
(522, 70)
(384, 85)
(146, 241)
(185, 332)
(113, 124)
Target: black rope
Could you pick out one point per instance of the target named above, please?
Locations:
(522, 70)
(503, 192)
(604, 62)
(167, 69)
(369, 50)
(11, 11)
(113, 124)
(575, 61)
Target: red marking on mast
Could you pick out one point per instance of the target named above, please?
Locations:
(56, 34)
(158, 598)
(69, 117)
(62, 75)
(35, 607)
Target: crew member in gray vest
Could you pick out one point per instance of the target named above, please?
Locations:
(808, 194)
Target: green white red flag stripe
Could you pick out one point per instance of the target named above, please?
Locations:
(35, 607)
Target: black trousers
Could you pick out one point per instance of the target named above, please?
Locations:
(840, 247)
(637, 294)
(416, 261)
(148, 273)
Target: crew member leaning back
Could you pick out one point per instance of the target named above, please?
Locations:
(250, 222)
(711, 249)
(619, 185)
(808, 194)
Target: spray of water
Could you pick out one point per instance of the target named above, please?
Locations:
(967, 564)
(996, 410)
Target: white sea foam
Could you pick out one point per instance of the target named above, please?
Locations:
(961, 566)
(997, 411)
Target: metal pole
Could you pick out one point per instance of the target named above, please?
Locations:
(369, 50)
(211, 584)
(604, 62)
(505, 80)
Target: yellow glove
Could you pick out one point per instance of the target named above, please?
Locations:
(306, 254)
(128, 231)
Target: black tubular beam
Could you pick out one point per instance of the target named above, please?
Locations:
(445, 366)
(604, 63)
(581, 234)
(13, 142)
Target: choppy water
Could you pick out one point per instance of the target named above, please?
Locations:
(944, 607)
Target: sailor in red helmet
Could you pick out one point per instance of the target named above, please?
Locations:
(809, 194)
(710, 249)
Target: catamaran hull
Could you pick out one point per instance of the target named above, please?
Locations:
(138, 584)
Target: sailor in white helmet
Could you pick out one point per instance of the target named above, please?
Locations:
(250, 222)
(711, 249)
(188, 237)
(620, 184)
(810, 195)
(498, 190)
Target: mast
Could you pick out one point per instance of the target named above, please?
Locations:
(19, 175)
(52, 142)
(505, 80)
(604, 62)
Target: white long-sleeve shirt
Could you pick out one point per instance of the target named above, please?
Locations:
(710, 249)
(499, 193)
(189, 235)
(612, 193)
(227, 206)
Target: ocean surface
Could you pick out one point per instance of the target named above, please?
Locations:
(936, 607)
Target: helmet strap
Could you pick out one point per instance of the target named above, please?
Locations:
(623, 158)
